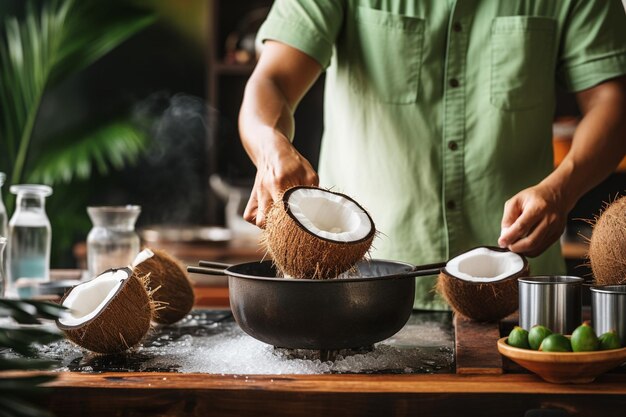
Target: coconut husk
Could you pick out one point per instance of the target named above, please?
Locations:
(170, 286)
(120, 325)
(298, 253)
(607, 248)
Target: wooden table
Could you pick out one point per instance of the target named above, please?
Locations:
(472, 391)
(165, 394)
(478, 389)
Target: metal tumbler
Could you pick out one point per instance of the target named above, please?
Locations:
(608, 310)
(553, 301)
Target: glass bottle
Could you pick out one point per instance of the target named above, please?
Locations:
(112, 242)
(28, 258)
(3, 210)
(3, 229)
(3, 242)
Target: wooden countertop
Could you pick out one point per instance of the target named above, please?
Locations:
(164, 394)
(126, 394)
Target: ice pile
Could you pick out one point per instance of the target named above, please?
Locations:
(203, 344)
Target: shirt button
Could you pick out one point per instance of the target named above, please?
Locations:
(454, 82)
(450, 205)
(453, 146)
(457, 27)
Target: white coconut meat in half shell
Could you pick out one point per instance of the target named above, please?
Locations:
(315, 233)
(481, 284)
(108, 314)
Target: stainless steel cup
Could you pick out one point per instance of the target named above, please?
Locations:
(608, 310)
(553, 301)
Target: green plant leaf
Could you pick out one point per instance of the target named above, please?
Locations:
(24, 383)
(111, 146)
(20, 339)
(29, 311)
(52, 41)
(21, 408)
(24, 364)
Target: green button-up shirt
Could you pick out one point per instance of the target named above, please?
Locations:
(436, 112)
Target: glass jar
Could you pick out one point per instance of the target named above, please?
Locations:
(28, 258)
(4, 232)
(3, 242)
(3, 210)
(112, 242)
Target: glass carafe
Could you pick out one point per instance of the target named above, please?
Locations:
(3, 210)
(3, 243)
(112, 242)
(28, 257)
(4, 232)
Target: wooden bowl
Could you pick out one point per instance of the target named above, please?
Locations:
(564, 367)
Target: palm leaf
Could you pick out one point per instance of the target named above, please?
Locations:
(24, 364)
(17, 407)
(111, 146)
(58, 38)
(31, 310)
(19, 339)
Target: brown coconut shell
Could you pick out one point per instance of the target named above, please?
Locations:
(298, 253)
(478, 301)
(120, 325)
(169, 285)
(607, 248)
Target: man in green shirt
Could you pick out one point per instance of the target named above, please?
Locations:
(438, 117)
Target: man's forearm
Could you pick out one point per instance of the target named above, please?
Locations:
(599, 143)
(265, 117)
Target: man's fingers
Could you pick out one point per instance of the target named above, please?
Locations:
(249, 214)
(534, 243)
(512, 210)
(518, 230)
(265, 201)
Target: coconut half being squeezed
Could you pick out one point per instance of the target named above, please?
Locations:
(315, 233)
(108, 314)
(481, 284)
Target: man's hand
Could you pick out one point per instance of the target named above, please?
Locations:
(280, 169)
(533, 219)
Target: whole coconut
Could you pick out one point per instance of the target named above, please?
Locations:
(607, 249)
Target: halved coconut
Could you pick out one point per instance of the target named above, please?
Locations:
(481, 284)
(168, 284)
(315, 233)
(108, 314)
(607, 248)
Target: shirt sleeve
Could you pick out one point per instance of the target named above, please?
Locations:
(310, 26)
(594, 44)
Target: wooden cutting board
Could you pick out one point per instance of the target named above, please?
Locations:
(475, 346)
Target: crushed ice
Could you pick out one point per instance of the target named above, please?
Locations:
(221, 347)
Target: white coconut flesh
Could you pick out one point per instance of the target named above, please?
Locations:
(86, 301)
(328, 215)
(485, 265)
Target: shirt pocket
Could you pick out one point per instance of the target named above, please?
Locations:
(522, 61)
(385, 55)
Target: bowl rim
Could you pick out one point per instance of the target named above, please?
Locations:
(560, 357)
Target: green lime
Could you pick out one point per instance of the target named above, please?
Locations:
(555, 343)
(518, 338)
(609, 340)
(584, 339)
(536, 335)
